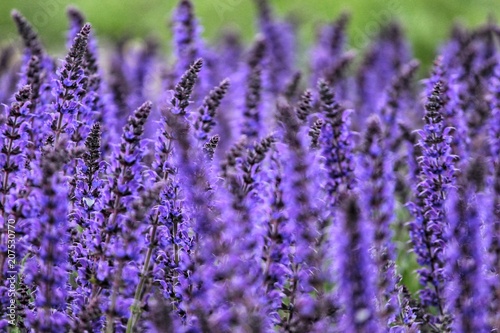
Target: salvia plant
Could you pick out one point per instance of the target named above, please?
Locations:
(222, 188)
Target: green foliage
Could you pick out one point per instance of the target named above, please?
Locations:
(427, 22)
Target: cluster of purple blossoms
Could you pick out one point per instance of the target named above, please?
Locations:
(225, 191)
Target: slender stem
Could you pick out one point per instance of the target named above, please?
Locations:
(58, 129)
(110, 327)
(135, 313)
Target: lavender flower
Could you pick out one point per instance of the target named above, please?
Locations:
(14, 141)
(185, 31)
(210, 146)
(76, 22)
(304, 216)
(377, 195)
(467, 290)
(255, 208)
(184, 89)
(384, 58)
(71, 85)
(279, 49)
(35, 63)
(494, 225)
(329, 48)
(395, 101)
(87, 202)
(315, 133)
(336, 145)
(30, 37)
(428, 229)
(305, 105)
(48, 270)
(356, 288)
(253, 93)
(206, 118)
(118, 196)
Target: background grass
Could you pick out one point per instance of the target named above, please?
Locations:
(427, 22)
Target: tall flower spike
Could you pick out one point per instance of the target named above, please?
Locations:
(329, 47)
(206, 113)
(376, 184)
(245, 270)
(315, 132)
(305, 105)
(494, 242)
(395, 99)
(355, 271)
(384, 58)
(437, 175)
(34, 79)
(184, 89)
(33, 62)
(123, 189)
(168, 238)
(210, 146)
(185, 36)
(48, 269)
(336, 145)
(304, 216)
(276, 247)
(467, 289)
(279, 49)
(86, 202)
(208, 231)
(253, 92)
(30, 37)
(76, 22)
(71, 85)
(12, 145)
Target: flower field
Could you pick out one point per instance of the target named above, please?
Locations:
(223, 188)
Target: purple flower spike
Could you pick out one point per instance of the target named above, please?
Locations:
(206, 117)
(329, 48)
(428, 230)
(76, 22)
(494, 224)
(14, 136)
(467, 292)
(185, 36)
(253, 93)
(184, 89)
(48, 270)
(30, 37)
(356, 287)
(71, 85)
(304, 216)
(336, 145)
(376, 183)
(396, 102)
(278, 61)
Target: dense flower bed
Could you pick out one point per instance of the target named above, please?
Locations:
(221, 189)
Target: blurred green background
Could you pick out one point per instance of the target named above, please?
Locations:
(427, 22)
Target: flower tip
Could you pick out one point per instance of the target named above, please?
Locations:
(15, 14)
(86, 28)
(73, 11)
(185, 3)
